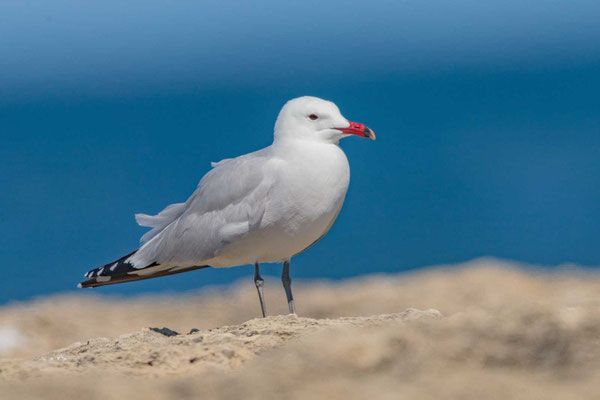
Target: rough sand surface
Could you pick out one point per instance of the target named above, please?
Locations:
(163, 352)
(500, 333)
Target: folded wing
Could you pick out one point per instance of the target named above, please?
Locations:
(229, 202)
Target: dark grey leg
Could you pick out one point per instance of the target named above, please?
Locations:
(287, 285)
(259, 282)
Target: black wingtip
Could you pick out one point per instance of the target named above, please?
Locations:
(114, 279)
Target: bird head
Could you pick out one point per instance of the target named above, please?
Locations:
(311, 118)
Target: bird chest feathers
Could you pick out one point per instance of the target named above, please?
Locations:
(312, 183)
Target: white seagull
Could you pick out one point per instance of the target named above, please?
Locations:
(266, 206)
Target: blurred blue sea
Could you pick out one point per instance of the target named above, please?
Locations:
(487, 119)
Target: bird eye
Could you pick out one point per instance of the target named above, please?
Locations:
(313, 116)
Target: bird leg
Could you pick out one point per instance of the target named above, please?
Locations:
(260, 283)
(287, 285)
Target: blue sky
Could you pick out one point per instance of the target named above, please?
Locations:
(486, 115)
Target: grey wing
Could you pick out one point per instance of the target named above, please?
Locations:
(229, 202)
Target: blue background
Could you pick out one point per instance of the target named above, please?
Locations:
(487, 116)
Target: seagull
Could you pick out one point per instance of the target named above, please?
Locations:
(262, 207)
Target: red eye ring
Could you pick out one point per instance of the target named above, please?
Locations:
(313, 117)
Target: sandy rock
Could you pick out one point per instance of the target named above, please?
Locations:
(505, 333)
(148, 352)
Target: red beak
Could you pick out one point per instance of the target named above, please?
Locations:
(359, 130)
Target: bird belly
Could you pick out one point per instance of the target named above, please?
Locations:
(275, 243)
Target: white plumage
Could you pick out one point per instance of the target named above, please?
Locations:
(265, 206)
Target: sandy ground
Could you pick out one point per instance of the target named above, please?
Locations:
(484, 329)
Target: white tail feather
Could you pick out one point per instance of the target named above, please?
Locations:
(159, 221)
